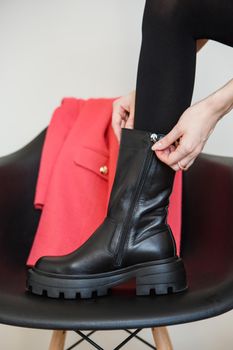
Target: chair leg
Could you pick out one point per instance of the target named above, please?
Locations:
(58, 340)
(161, 338)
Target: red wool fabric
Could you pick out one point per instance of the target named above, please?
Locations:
(71, 190)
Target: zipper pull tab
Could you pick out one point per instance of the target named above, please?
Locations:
(154, 137)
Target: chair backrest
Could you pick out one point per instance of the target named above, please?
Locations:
(207, 230)
(18, 218)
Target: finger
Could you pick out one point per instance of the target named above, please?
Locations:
(168, 140)
(163, 155)
(117, 115)
(123, 124)
(173, 166)
(177, 166)
(124, 115)
(130, 123)
(187, 149)
(119, 111)
(116, 125)
(187, 162)
(132, 110)
(173, 156)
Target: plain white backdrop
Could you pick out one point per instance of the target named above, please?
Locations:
(86, 48)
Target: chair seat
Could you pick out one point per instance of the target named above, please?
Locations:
(207, 296)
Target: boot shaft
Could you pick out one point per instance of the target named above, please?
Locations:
(142, 183)
(139, 201)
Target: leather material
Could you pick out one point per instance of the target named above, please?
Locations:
(135, 229)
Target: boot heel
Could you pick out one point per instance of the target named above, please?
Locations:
(171, 279)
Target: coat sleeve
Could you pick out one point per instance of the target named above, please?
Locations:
(63, 118)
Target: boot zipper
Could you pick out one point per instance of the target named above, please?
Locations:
(119, 253)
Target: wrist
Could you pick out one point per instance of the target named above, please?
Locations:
(221, 101)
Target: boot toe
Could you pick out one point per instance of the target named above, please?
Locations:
(49, 264)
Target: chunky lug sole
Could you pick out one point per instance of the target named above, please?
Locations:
(161, 277)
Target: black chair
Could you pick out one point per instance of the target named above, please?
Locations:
(207, 250)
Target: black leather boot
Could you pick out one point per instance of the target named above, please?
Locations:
(133, 241)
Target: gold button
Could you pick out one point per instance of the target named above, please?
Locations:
(104, 169)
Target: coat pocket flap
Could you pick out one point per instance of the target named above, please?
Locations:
(94, 160)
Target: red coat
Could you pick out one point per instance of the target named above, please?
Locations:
(71, 190)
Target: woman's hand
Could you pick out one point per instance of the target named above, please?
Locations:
(123, 113)
(184, 142)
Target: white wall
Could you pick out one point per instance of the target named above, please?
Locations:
(86, 48)
(56, 48)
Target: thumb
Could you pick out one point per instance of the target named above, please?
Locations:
(167, 140)
(130, 121)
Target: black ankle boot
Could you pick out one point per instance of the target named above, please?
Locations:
(134, 240)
